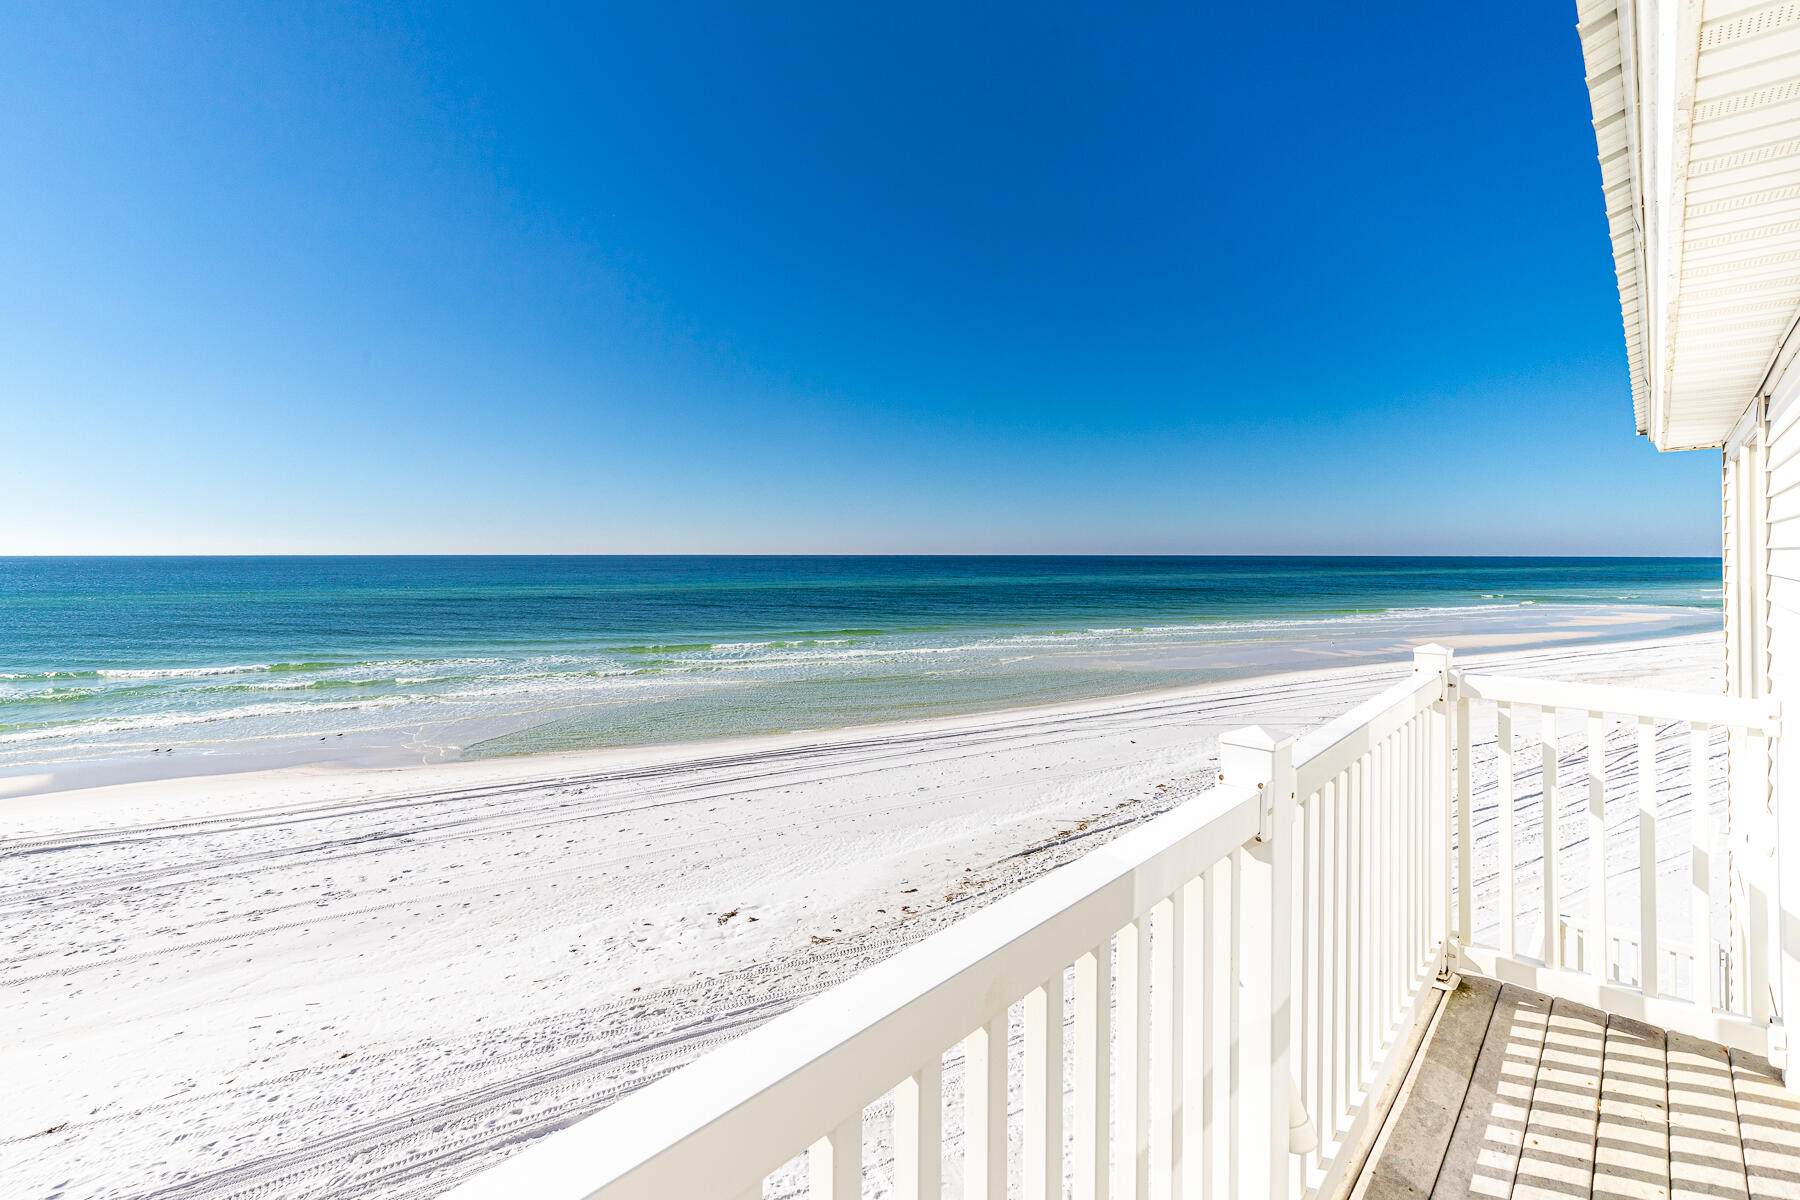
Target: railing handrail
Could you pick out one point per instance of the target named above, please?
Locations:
(720, 1124)
(1320, 754)
(1658, 703)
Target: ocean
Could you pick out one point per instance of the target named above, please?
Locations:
(183, 665)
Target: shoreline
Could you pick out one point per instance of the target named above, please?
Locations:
(83, 775)
(543, 766)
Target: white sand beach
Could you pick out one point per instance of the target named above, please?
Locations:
(374, 982)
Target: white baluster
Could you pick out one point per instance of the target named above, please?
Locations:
(1368, 809)
(834, 1163)
(1331, 943)
(1503, 722)
(1093, 1072)
(1310, 996)
(1599, 937)
(1216, 989)
(1762, 944)
(1706, 963)
(1465, 827)
(1356, 974)
(984, 1108)
(1235, 1065)
(1387, 894)
(1166, 1036)
(919, 1133)
(1043, 1166)
(1196, 915)
(1552, 922)
(1131, 1073)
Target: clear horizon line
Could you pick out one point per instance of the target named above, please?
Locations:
(824, 554)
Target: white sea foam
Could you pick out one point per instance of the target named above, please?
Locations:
(178, 672)
(237, 702)
(143, 723)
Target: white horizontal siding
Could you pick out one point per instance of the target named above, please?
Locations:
(1784, 504)
(1784, 593)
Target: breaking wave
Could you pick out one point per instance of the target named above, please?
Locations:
(813, 676)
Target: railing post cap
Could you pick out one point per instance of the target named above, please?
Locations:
(1250, 737)
(1253, 757)
(1433, 651)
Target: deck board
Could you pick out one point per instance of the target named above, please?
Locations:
(1412, 1147)
(1769, 1128)
(1631, 1152)
(1562, 1100)
(1558, 1156)
(1706, 1156)
(1483, 1155)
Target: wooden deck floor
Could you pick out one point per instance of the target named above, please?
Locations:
(1515, 1094)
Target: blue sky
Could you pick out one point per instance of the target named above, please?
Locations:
(831, 278)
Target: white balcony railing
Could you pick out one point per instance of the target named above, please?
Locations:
(1655, 913)
(1197, 998)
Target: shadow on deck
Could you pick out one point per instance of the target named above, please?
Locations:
(1514, 1094)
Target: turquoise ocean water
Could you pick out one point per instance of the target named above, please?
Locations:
(175, 665)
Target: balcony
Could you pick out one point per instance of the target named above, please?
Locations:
(1241, 997)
